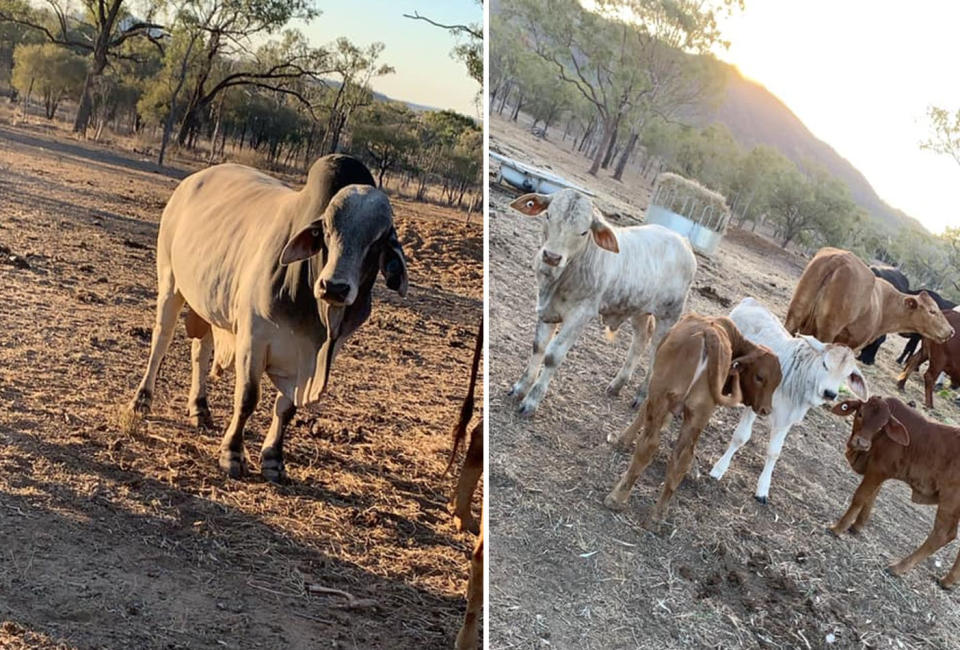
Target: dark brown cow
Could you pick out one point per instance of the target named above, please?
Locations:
(839, 300)
(890, 440)
(701, 364)
(943, 357)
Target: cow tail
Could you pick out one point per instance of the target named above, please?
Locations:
(466, 409)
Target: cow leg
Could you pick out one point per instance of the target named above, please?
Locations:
(201, 354)
(553, 356)
(467, 638)
(271, 454)
(944, 531)
(912, 341)
(740, 437)
(913, 364)
(863, 497)
(642, 333)
(541, 338)
(169, 304)
(467, 483)
(654, 416)
(663, 326)
(778, 435)
(246, 394)
(934, 368)
(682, 457)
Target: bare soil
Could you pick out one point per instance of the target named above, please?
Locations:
(109, 541)
(723, 571)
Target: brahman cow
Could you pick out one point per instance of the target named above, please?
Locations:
(701, 364)
(890, 440)
(275, 280)
(813, 373)
(839, 300)
(587, 267)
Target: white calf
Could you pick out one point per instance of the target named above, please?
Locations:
(812, 375)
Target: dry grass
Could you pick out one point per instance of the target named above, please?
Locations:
(723, 571)
(137, 541)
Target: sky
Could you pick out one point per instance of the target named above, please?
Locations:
(860, 74)
(419, 52)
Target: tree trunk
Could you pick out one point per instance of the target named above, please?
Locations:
(627, 152)
(516, 109)
(611, 143)
(609, 132)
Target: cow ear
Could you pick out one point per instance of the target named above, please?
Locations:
(603, 234)
(813, 342)
(858, 384)
(847, 407)
(911, 302)
(304, 244)
(897, 432)
(393, 265)
(531, 204)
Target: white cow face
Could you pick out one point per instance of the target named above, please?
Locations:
(570, 225)
(838, 367)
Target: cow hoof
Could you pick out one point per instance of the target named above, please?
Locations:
(272, 469)
(526, 410)
(612, 503)
(233, 463)
(203, 422)
(613, 388)
(635, 404)
(946, 586)
(468, 524)
(893, 571)
(834, 532)
(760, 500)
(515, 392)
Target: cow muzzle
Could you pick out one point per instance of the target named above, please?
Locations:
(829, 395)
(551, 259)
(333, 292)
(860, 444)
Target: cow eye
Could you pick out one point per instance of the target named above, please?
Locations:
(759, 379)
(824, 365)
(315, 233)
(530, 203)
(584, 232)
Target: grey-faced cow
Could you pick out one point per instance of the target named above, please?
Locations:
(275, 281)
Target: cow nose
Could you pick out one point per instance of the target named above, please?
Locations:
(829, 395)
(334, 291)
(764, 410)
(551, 258)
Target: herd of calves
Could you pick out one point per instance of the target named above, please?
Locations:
(587, 267)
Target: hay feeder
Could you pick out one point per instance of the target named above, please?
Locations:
(687, 207)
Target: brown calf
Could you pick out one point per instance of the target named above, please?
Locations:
(943, 357)
(702, 363)
(891, 440)
(470, 473)
(839, 300)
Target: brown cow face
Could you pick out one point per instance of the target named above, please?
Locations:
(870, 419)
(927, 318)
(570, 222)
(760, 375)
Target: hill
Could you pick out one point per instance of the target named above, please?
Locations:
(755, 116)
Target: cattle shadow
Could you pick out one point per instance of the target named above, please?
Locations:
(87, 153)
(177, 529)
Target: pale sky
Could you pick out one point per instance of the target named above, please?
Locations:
(860, 74)
(420, 53)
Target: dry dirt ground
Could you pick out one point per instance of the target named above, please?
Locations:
(108, 541)
(723, 571)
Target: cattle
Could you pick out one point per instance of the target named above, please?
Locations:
(890, 440)
(868, 355)
(701, 364)
(813, 373)
(470, 473)
(838, 300)
(587, 267)
(943, 358)
(913, 339)
(275, 280)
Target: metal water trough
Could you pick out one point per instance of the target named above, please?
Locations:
(532, 179)
(688, 208)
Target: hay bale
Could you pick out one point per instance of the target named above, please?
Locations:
(690, 199)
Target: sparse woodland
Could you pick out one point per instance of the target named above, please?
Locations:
(636, 92)
(232, 79)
